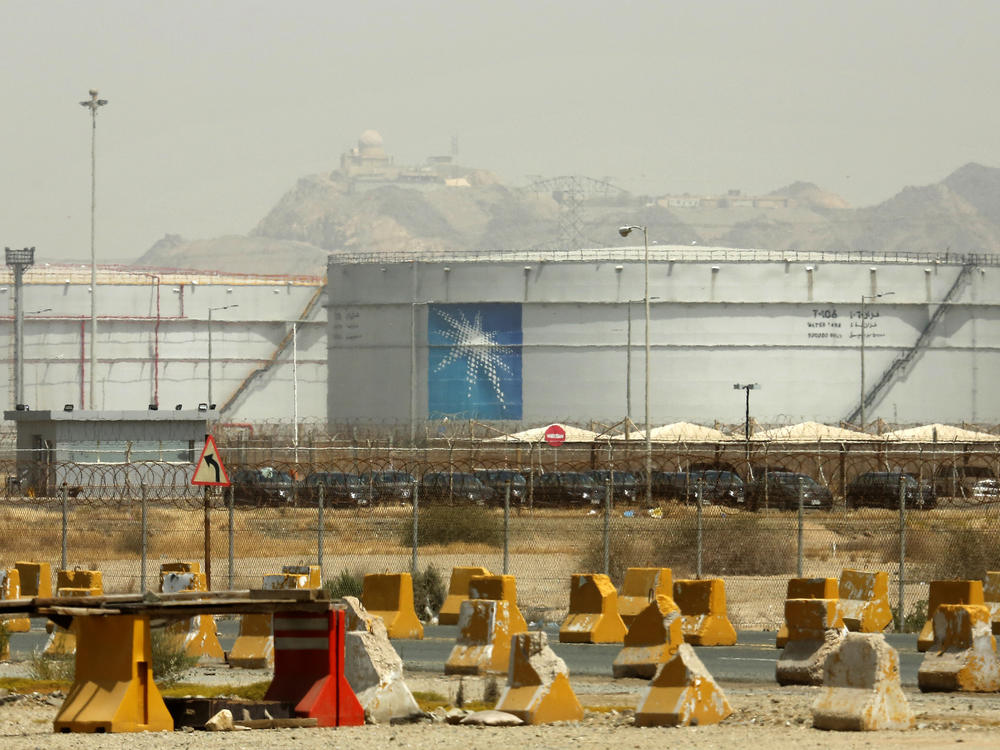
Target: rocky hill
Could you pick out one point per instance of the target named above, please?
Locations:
(470, 210)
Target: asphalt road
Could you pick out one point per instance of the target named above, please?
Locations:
(750, 661)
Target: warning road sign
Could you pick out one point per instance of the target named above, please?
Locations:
(210, 471)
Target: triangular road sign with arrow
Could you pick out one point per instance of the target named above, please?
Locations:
(210, 471)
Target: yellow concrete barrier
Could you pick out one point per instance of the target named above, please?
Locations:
(593, 611)
(703, 612)
(815, 630)
(806, 588)
(947, 592)
(197, 636)
(10, 588)
(653, 639)
(458, 592)
(483, 644)
(538, 689)
(76, 582)
(503, 588)
(36, 579)
(864, 601)
(113, 688)
(963, 656)
(682, 692)
(861, 690)
(640, 588)
(991, 598)
(390, 596)
(254, 645)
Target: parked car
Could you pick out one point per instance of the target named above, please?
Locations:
(780, 489)
(263, 486)
(566, 488)
(497, 480)
(986, 490)
(339, 488)
(624, 485)
(667, 485)
(959, 481)
(453, 486)
(880, 489)
(389, 486)
(717, 487)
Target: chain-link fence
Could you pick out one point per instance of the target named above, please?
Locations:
(754, 515)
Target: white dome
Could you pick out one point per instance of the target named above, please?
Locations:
(370, 138)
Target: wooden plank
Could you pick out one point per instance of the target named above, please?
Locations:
(276, 723)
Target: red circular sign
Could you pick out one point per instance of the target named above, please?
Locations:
(555, 435)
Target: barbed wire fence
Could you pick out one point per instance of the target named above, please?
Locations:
(125, 519)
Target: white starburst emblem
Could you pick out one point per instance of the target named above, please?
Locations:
(479, 349)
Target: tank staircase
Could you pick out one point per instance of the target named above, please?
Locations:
(278, 351)
(904, 359)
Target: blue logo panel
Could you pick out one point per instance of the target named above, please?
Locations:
(474, 361)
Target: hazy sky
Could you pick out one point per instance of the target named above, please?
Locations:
(216, 108)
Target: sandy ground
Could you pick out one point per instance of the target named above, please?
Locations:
(765, 716)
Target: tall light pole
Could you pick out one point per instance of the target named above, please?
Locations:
(413, 369)
(210, 311)
(864, 325)
(19, 260)
(93, 104)
(624, 232)
(746, 430)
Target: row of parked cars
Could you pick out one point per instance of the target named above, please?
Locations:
(773, 489)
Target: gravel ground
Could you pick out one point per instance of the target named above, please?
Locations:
(765, 717)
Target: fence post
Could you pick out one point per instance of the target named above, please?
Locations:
(416, 528)
(65, 521)
(801, 527)
(320, 497)
(144, 549)
(208, 539)
(901, 609)
(607, 526)
(698, 495)
(232, 536)
(506, 528)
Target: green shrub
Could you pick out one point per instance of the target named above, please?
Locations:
(346, 584)
(914, 621)
(444, 525)
(170, 660)
(947, 554)
(54, 668)
(4, 637)
(429, 591)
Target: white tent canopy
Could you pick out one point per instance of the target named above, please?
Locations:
(810, 432)
(678, 432)
(940, 433)
(537, 435)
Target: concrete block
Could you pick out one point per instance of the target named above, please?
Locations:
(703, 612)
(652, 640)
(640, 588)
(963, 656)
(538, 689)
(864, 601)
(458, 592)
(682, 692)
(947, 592)
(806, 588)
(861, 690)
(593, 611)
(815, 629)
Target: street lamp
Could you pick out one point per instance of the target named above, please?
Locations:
(210, 311)
(93, 104)
(19, 260)
(413, 369)
(864, 325)
(624, 232)
(746, 430)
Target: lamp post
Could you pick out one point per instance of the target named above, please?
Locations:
(19, 260)
(624, 232)
(210, 311)
(413, 369)
(864, 325)
(93, 104)
(746, 430)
